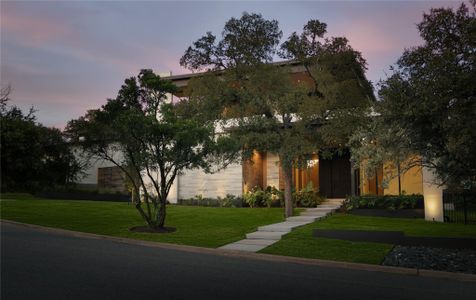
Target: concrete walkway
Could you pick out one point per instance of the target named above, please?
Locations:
(270, 234)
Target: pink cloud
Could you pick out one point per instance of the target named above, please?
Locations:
(366, 37)
(32, 30)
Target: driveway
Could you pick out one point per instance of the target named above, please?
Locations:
(42, 265)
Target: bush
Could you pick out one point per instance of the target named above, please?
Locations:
(256, 197)
(228, 201)
(389, 202)
(277, 197)
(307, 197)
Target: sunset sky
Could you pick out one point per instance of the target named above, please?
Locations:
(64, 57)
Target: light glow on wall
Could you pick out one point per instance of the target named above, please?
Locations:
(433, 197)
(313, 162)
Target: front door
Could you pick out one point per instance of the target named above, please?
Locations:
(335, 177)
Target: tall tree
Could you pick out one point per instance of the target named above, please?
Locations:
(148, 139)
(33, 157)
(266, 107)
(431, 96)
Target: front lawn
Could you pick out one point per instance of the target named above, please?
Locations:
(197, 226)
(301, 243)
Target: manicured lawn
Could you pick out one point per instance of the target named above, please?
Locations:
(301, 243)
(198, 226)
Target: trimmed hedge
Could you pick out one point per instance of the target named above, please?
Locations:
(84, 195)
(390, 202)
(228, 201)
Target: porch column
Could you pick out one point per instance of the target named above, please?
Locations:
(433, 196)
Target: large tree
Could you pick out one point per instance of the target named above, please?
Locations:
(263, 105)
(430, 99)
(148, 139)
(33, 157)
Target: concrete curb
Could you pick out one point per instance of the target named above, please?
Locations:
(256, 256)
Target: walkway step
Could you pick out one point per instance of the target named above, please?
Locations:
(282, 227)
(320, 208)
(256, 242)
(270, 234)
(301, 218)
(266, 235)
(332, 206)
(334, 200)
(243, 247)
(316, 213)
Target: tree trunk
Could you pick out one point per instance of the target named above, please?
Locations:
(288, 196)
(161, 213)
(144, 215)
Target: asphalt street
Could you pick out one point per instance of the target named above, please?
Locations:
(42, 265)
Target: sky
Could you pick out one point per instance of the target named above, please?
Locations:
(66, 57)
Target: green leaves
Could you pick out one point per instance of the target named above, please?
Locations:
(246, 41)
(33, 157)
(427, 112)
(151, 140)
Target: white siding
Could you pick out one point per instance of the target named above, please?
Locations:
(197, 182)
(91, 172)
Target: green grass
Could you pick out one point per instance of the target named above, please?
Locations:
(197, 226)
(301, 243)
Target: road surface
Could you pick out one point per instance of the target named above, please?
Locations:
(43, 265)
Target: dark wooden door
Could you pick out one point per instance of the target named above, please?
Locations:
(334, 177)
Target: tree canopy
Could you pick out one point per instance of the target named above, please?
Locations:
(264, 106)
(148, 138)
(33, 157)
(430, 99)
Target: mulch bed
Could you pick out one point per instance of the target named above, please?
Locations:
(443, 254)
(147, 229)
(432, 259)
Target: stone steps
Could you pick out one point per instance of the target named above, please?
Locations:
(243, 247)
(266, 235)
(317, 213)
(282, 227)
(270, 234)
(308, 219)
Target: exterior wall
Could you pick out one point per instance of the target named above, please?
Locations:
(369, 185)
(111, 178)
(272, 170)
(411, 183)
(91, 173)
(254, 173)
(197, 182)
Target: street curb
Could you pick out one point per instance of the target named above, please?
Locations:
(256, 256)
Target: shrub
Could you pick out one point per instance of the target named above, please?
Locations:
(276, 198)
(390, 202)
(198, 200)
(230, 201)
(256, 197)
(307, 197)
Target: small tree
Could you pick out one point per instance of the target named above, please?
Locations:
(267, 109)
(148, 139)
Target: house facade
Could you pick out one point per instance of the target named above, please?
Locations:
(334, 177)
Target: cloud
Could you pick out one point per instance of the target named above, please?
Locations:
(32, 31)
